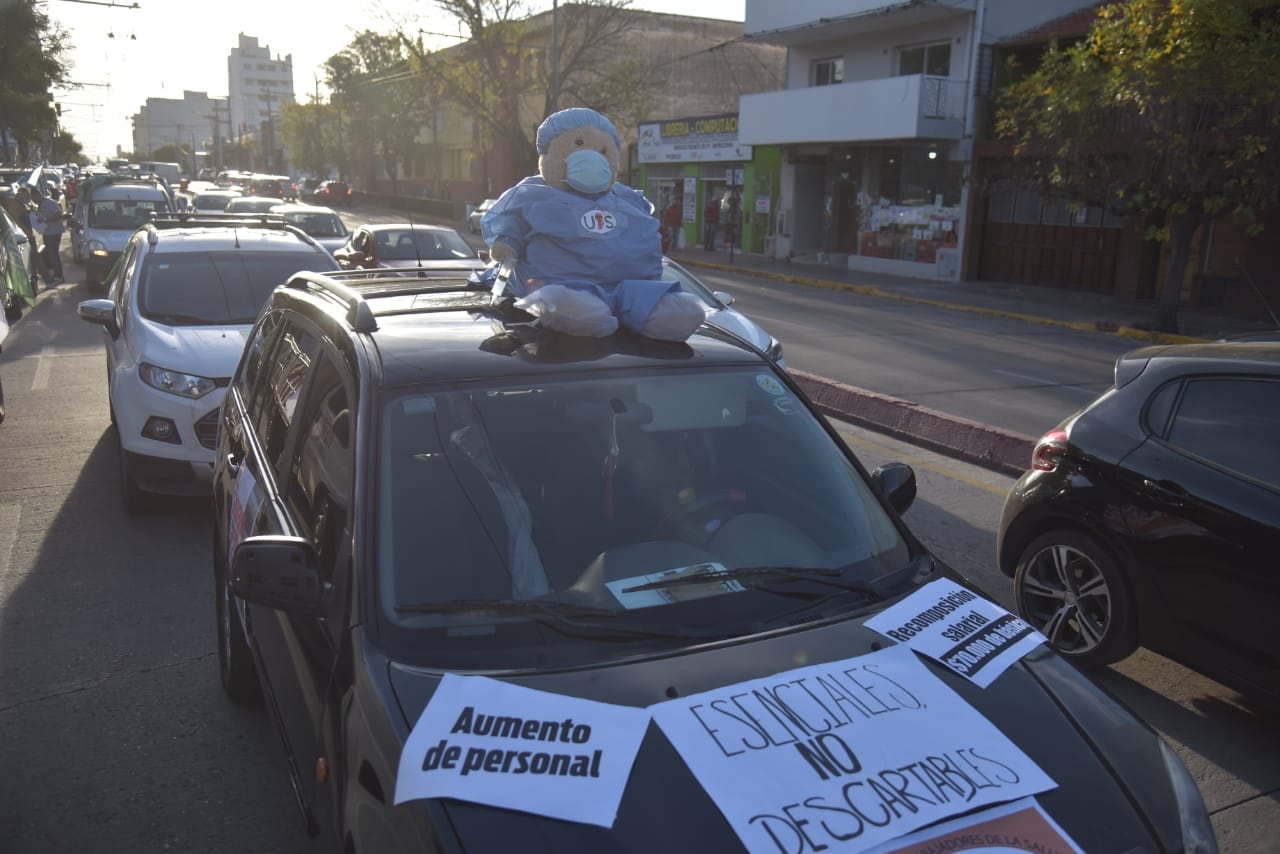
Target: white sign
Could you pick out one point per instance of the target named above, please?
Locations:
(491, 742)
(690, 211)
(845, 755)
(696, 140)
(973, 636)
(762, 204)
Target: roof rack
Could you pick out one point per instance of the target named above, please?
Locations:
(215, 219)
(359, 314)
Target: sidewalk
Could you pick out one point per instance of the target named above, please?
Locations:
(1040, 304)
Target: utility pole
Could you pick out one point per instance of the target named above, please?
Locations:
(269, 136)
(555, 55)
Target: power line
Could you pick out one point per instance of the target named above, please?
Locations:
(103, 3)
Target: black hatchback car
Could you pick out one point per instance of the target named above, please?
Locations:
(417, 488)
(1152, 517)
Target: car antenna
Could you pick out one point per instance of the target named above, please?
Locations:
(414, 236)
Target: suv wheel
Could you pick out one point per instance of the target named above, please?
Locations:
(235, 661)
(1069, 587)
(134, 499)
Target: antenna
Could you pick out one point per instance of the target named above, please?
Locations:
(414, 234)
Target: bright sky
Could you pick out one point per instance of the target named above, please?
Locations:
(123, 56)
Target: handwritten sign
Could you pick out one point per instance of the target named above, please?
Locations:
(491, 742)
(1006, 829)
(844, 756)
(973, 636)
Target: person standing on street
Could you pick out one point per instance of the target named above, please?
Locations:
(49, 215)
(710, 221)
(30, 228)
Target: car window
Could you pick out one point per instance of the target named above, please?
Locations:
(212, 201)
(1232, 423)
(256, 349)
(124, 214)
(209, 288)
(689, 284)
(290, 364)
(317, 224)
(557, 490)
(252, 204)
(361, 241)
(421, 244)
(319, 486)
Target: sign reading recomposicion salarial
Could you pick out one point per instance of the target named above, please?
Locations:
(845, 755)
(490, 742)
(973, 636)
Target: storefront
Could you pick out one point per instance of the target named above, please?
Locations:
(887, 208)
(688, 166)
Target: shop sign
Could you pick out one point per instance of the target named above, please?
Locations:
(706, 138)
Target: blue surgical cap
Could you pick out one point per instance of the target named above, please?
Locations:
(574, 117)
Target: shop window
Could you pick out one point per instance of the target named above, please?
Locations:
(828, 72)
(909, 204)
(933, 59)
(1026, 209)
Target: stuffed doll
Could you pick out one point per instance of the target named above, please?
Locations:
(587, 250)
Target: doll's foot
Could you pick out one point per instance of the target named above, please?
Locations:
(570, 311)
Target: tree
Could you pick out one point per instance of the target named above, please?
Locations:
(32, 62)
(67, 149)
(505, 70)
(307, 130)
(172, 154)
(1167, 106)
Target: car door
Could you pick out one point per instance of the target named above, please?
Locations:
(119, 287)
(1206, 523)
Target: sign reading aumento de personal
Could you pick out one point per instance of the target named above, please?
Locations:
(491, 742)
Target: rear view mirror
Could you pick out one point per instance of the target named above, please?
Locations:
(101, 312)
(726, 300)
(278, 572)
(897, 482)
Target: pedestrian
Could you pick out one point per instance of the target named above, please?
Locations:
(672, 221)
(731, 217)
(710, 221)
(31, 227)
(50, 215)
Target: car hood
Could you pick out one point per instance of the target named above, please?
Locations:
(1093, 807)
(333, 244)
(206, 351)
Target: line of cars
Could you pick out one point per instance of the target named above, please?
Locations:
(300, 434)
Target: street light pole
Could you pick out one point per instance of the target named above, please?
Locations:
(555, 55)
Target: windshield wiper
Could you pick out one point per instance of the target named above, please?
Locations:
(563, 617)
(829, 577)
(176, 319)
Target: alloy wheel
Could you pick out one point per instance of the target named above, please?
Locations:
(1066, 596)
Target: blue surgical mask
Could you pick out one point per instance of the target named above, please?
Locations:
(588, 172)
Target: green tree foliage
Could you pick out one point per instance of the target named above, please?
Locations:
(382, 106)
(309, 131)
(1169, 105)
(503, 75)
(67, 149)
(172, 154)
(32, 61)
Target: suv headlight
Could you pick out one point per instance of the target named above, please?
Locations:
(96, 247)
(1197, 829)
(173, 382)
(774, 350)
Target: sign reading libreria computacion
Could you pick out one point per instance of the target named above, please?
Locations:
(843, 756)
(973, 636)
(490, 742)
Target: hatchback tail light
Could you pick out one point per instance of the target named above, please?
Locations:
(1050, 450)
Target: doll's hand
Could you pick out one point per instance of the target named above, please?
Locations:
(501, 251)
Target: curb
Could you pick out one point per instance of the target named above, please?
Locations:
(1143, 335)
(1001, 451)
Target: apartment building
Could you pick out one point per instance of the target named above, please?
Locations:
(188, 121)
(258, 84)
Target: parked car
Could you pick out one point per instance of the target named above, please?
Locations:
(252, 204)
(405, 244)
(178, 307)
(1152, 516)
(321, 223)
(333, 194)
(411, 483)
(474, 218)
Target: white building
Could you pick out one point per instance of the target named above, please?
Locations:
(188, 121)
(877, 123)
(258, 84)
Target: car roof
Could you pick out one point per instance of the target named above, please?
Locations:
(404, 226)
(221, 238)
(1218, 354)
(284, 208)
(441, 330)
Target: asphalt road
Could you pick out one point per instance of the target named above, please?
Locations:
(114, 733)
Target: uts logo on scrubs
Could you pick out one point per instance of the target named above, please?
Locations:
(599, 222)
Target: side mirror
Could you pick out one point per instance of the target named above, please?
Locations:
(726, 300)
(101, 312)
(278, 572)
(897, 483)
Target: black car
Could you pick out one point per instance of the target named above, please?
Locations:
(1152, 516)
(416, 485)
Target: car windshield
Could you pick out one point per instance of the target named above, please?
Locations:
(214, 288)
(421, 243)
(571, 493)
(124, 214)
(212, 201)
(318, 223)
(251, 204)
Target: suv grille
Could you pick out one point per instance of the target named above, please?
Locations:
(207, 429)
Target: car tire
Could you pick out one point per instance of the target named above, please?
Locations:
(132, 496)
(1070, 587)
(235, 659)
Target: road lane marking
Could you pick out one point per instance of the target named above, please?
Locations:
(43, 365)
(1044, 382)
(922, 462)
(10, 516)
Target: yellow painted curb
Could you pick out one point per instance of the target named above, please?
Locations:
(873, 291)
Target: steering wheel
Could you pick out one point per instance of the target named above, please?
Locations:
(698, 520)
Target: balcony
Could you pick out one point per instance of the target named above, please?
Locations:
(805, 21)
(893, 108)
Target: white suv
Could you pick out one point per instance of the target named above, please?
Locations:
(180, 303)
